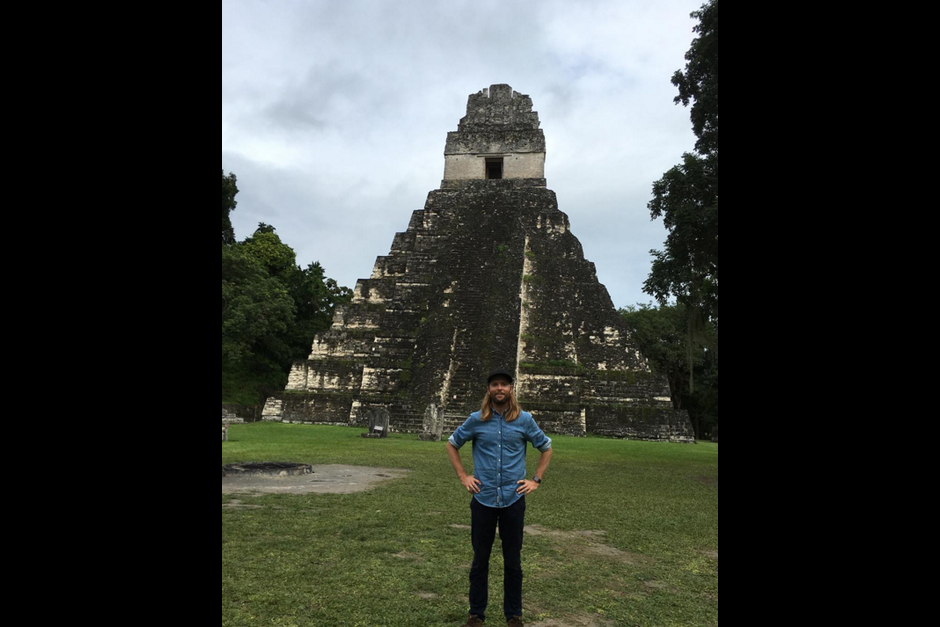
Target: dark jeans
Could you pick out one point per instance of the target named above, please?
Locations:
(483, 531)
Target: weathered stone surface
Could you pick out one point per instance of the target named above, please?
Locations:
(378, 423)
(500, 125)
(238, 413)
(487, 274)
(433, 428)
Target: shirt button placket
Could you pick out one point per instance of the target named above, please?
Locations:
(499, 465)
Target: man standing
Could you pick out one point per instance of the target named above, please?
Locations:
(499, 432)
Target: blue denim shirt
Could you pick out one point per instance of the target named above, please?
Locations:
(499, 453)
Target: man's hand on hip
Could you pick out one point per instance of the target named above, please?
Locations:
(527, 486)
(471, 483)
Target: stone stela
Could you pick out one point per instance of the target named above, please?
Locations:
(487, 274)
(378, 423)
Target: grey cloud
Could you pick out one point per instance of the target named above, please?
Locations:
(335, 115)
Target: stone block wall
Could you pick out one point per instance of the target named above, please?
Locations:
(499, 123)
(239, 413)
(487, 274)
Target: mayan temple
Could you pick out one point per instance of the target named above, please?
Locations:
(487, 275)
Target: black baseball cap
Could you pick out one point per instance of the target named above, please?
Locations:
(499, 372)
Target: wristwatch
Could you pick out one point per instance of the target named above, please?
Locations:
(537, 479)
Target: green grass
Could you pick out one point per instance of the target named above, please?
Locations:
(390, 556)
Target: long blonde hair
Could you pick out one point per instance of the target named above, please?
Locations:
(486, 408)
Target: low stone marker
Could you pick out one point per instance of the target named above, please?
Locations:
(433, 425)
(378, 422)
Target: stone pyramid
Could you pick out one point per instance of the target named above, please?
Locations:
(487, 275)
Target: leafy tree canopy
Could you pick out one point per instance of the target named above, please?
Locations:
(662, 337)
(265, 247)
(271, 308)
(229, 189)
(687, 200)
(686, 197)
(699, 83)
(256, 308)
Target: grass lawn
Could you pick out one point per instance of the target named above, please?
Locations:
(620, 533)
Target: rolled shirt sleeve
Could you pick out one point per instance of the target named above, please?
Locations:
(463, 434)
(535, 435)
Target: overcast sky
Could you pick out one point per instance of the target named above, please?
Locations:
(334, 116)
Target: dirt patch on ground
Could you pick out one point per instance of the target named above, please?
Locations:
(659, 585)
(573, 621)
(539, 530)
(707, 480)
(236, 504)
(326, 479)
(461, 526)
(605, 550)
(712, 554)
(586, 541)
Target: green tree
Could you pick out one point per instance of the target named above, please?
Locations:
(266, 247)
(256, 307)
(699, 83)
(229, 189)
(662, 337)
(271, 309)
(257, 312)
(686, 197)
(316, 296)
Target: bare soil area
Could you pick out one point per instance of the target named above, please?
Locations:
(586, 542)
(326, 479)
